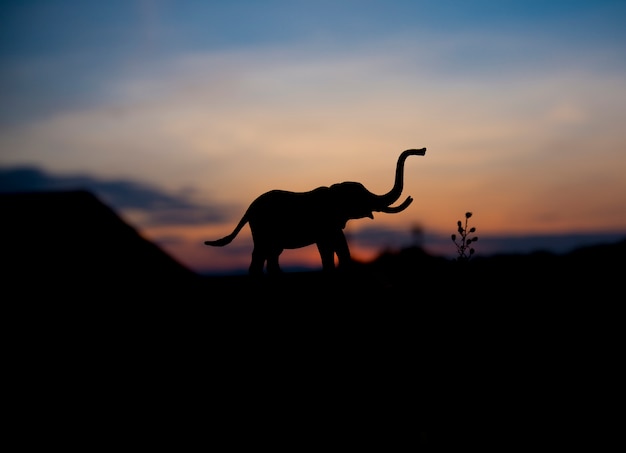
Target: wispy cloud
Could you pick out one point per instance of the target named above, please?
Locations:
(155, 206)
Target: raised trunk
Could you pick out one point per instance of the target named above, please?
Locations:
(384, 201)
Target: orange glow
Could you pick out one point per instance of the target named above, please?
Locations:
(188, 248)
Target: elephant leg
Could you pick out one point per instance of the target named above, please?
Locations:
(341, 248)
(257, 263)
(272, 262)
(327, 254)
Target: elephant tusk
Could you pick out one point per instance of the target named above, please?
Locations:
(400, 208)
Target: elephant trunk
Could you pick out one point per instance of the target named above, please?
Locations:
(383, 202)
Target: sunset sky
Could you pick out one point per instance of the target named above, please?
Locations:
(177, 114)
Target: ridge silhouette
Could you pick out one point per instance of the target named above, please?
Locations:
(73, 241)
(281, 219)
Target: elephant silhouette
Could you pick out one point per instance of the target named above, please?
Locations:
(281, 219)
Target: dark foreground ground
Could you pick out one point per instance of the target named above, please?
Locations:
(111, 344)
(404, 354)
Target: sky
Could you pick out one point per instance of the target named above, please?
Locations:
(177, 114)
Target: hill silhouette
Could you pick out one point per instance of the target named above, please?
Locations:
(71, 243)
(500, 351)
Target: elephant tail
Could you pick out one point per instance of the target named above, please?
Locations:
(228, 239)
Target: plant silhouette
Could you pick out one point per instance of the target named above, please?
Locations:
(281, 219)
(464, 250)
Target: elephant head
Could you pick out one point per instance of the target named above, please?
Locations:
(281, 219)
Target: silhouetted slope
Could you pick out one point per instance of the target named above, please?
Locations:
(71, 239)
(594, 271)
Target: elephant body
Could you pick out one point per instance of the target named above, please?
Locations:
(287, 220)
(281, 219)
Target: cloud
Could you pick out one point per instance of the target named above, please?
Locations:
(154, 206)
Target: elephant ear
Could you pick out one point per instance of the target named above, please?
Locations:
(323, 209)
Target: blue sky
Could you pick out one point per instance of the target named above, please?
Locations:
(57, 54)
(179, 113)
